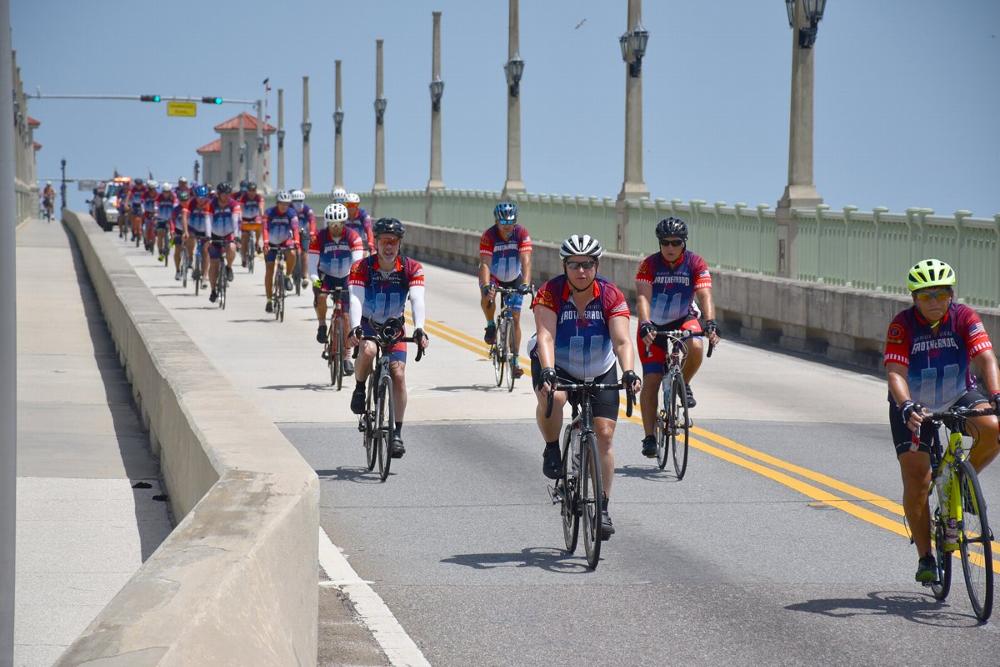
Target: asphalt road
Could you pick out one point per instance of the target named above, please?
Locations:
(784, 544)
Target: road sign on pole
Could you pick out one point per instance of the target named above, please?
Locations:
(184, 109)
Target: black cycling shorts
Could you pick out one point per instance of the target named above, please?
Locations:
(604, 403)
(902, 437)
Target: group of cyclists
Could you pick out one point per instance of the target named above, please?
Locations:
(582, 319)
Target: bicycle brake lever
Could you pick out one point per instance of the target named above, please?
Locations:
(711, 348)
(548, 405)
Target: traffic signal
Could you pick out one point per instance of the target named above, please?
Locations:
(211, 100)
(149, 98)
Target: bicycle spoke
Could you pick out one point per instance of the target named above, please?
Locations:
(975, 543)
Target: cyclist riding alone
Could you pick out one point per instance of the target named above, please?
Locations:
(49, 198)
(252, 204)
(359, 220)
(931, 350)
(504, 260)
(225, 212)
(379, 286)
(281, 234)
(332, 253)
(582, 321)
(668, 284)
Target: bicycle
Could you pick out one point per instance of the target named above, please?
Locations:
(251, 252)
(47, 209)
(502, 352)
(580, 489)
(333, 351)
(673, 423)
(958, 502)
(301, 253)
(220, 281)
(278, 285)
(196, 269)
(379, 419)
(185, 265)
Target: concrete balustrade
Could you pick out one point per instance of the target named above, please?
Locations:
(235, 583)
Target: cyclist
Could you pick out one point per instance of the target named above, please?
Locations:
(670, 284)
(183, 186)
(252, 204)
(281, 234)
(931, 350)
(379, 286)
(179, 226)
(359, 220)
(582, 321)
(135, 196)
(165, 204)
(225, 225)
(504, 260)
(197, 221)
(339, 196)
(332, 252)
(49, 199)
(307, 222)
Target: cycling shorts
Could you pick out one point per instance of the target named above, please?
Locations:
(514, 300)
(329, 283)
(398, 352)
(604, 402)
(215, 248)
(272, 249)
(162, 224)
(902, 437)
(654, 358)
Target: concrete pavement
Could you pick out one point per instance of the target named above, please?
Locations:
(86, 514)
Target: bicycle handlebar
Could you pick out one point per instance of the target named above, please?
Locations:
(683, 334)
(960, 413)
(382, 342)
(589, 386)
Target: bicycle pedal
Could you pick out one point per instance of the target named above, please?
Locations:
(554, 494)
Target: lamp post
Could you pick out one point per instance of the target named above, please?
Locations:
(436, 88)
(633, 47)
(513, 71)
(196, 168)
(803, 17)
(380, 105)
(281, 139)
(338, 125)
(306, 129)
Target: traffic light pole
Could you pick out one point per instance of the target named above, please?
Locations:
(139, 98)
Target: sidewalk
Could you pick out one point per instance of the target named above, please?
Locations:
(82, 529)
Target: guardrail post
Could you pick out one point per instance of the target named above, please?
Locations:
(877, 215)
(848, 282)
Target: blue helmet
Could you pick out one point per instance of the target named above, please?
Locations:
(201, 191)
(505, 212)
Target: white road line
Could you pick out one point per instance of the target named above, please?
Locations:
(390, 635)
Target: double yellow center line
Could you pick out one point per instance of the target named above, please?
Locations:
(837, 494)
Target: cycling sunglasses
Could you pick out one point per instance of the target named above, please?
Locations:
(676, 243)
(585, 265)
(933, 295)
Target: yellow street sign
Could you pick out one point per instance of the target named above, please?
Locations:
(185, 109)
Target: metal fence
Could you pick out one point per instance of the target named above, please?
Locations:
(869, 250)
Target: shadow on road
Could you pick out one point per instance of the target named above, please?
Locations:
(358, 475)
(650, 472)
(916, 607)
(553, 560)
(311, 386)
(469, 387)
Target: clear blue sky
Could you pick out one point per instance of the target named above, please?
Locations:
(907, 92)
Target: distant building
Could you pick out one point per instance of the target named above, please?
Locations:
(211, 162)
(221, 158)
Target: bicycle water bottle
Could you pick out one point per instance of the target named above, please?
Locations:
(949, 522)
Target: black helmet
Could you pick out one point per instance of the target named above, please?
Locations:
(388, 226)
(671, 227)
(243, 185)
(223, 188)
(250, 186)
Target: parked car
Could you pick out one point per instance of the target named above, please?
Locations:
(104, 204)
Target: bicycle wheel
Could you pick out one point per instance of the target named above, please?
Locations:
(279, 294)
(942, 586)
(339, 356)
(196, 277)
(371, 448)
(497, 354)
(570, 506)
(678, 423)
(251, 251)
(662, 441)
(222, 285)
(385, 424)
(975, 542)
(297, 277)
(591, 495)
(511, 357)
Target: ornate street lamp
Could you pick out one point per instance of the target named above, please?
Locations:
(813, 10)
(306, 129)
(281, 138)
(338, 120)
(380, 104)
(514, 69)
(633, 46)
(437, 90)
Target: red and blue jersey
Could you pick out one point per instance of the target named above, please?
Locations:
(307, 218)
(252, 206)
(504, 256)
(334, 255)
(385, 291)
(165, 204)
(280, 228)
(937, 358)
(200, 216)
(362, 225)
(225, 217)
(673, 286)
(149, 202)
(135, 197)
(178, 214)
(583, 341)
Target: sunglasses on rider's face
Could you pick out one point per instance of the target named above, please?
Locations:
(585, 265)
(676, 243)
(933, 295)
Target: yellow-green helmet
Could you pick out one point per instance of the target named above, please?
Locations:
(930, 273)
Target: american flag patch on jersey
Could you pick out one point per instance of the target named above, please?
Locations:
(977, 329)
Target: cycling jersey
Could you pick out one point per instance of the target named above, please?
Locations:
(135, 199)
(673, 286)
(504, 256)
(385, 292)
(149, 203)
(362, 225)
(281, 228)
(937, 359)
(582, 344)
(165, 204)
(225, 217)
(200, 217)
(307, 219)
(178, 215)
(334, 257)
(253, 206)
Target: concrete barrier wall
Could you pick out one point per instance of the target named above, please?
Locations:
(235, 582)
(838, 323)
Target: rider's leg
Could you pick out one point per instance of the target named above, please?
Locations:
(320, 308)
(244, 244)
(363, 366)
(397, 369)
(984, 446)
(290, 257)
(916, 471)
(230, 254)
(268, 278)
(648, 400)
(517, 333)
(489, 306)
(694, 358)
(549, 426)
(605, 430)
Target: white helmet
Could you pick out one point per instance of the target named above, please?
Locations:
(284, 197)
(167, 187)
(298, 195)
(48, 182)
(182, 181)
(353, 198)
(339, 195)
(584, 245)
(152, 185)
(335, 214)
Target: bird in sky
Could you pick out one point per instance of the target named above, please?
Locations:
(580, 24)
